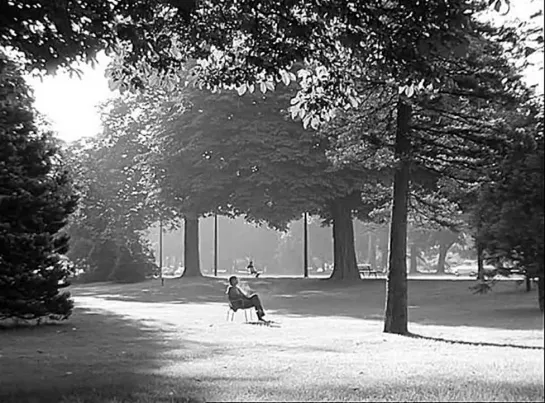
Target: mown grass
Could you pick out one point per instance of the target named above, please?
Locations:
(146, 343)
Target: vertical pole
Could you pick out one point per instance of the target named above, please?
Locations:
(215, 245)
(305, 246)
(161, 251)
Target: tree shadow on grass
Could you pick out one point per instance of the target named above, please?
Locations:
(459, 388)
(435, 303)
(443, 303)
(474, 343)
(94, 356)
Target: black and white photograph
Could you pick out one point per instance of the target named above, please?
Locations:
(272, 201)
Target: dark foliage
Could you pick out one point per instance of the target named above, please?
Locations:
(36, 199)
(510, 209)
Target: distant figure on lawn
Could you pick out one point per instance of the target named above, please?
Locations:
(252, 269)
(239, 299)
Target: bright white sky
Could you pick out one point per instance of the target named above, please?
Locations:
(71, 104)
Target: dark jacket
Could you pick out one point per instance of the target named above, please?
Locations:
(236, 296)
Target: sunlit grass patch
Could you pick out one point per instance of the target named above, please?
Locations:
(146, 343)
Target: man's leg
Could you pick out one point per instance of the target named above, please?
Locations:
(256, 303)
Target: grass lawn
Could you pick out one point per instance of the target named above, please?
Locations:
(147, 343)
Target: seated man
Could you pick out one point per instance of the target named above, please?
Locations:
(239, 299)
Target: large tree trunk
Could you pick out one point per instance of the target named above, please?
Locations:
(443, 250)
(396, 312)
(344, 254)
(191, 247)
(413, 268)
(373, 251)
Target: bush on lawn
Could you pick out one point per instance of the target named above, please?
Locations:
(100, 260)
(132, 265)
(108, 260)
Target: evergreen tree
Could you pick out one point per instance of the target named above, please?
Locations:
(35, 201)
(510, 206)
(451, 134)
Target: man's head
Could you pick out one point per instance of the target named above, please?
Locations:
(233, 280)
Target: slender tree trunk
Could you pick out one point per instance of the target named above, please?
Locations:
(373, 251)
(396, 312)
(443, 250)
(541, 291)
(344, 253)
(528, 280)
(414, 259)
(383, 246)
(191, 247)
(363, 248)
(480, 264)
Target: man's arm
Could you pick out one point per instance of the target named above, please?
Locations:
(241, 293)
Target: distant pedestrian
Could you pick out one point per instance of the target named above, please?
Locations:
(252, 269)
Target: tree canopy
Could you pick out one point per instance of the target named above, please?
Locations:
(243, 156)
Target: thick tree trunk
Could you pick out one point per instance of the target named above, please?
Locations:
(396, 312)
(373, 251)
(413, 268)
(443, 250)
(191, 247)
(480, 263)
(344, 254)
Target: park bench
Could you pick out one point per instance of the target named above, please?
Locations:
(504, 272)
(233, 309)
(364, 268)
